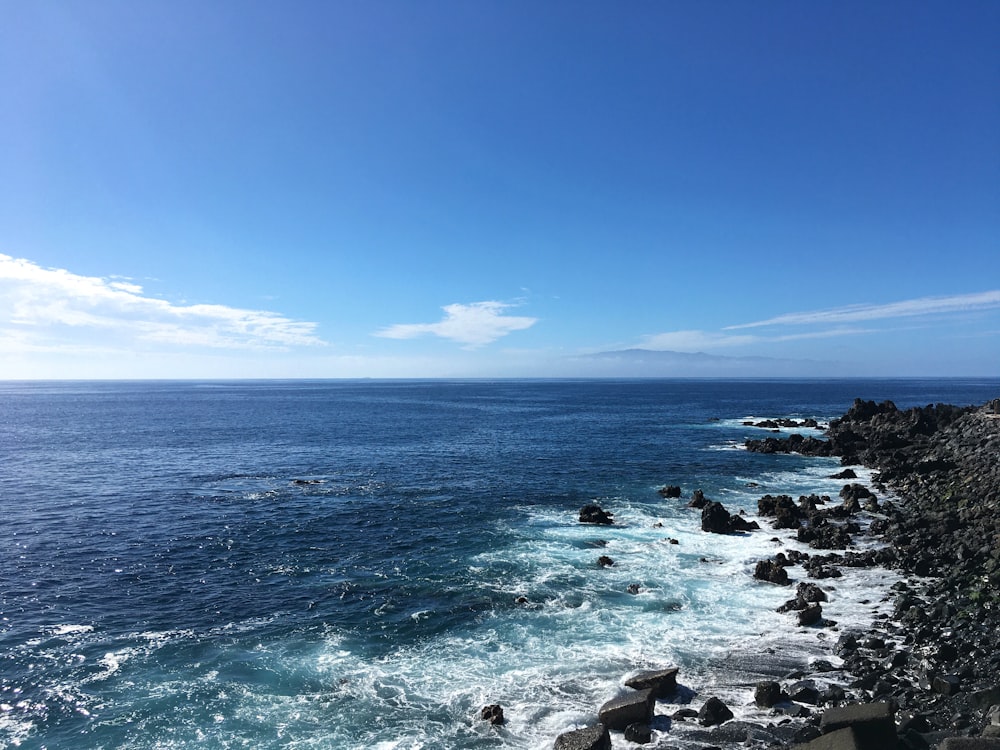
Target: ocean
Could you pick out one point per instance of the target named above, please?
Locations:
(366, 564)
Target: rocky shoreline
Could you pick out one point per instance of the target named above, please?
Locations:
(937, 658)
(926, 675)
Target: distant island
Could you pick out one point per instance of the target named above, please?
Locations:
(637, 362)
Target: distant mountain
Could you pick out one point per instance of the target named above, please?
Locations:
(653, 363)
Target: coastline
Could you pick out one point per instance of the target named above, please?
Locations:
(936, 659)
(925, 670)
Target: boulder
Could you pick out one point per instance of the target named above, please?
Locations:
(595, 514)
(766, 694)
(770, 571)
(811, 615)
(698, 499)
(715, 518)
(588, 738)
(671, 490)
(662, 682)
(605, 562)
(810, 592)
(640, 734)
(636, 707)
(873, 724)
(970, 743)
(804, 691)
(714, 712)
(841, 739)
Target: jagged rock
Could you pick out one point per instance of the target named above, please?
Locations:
(671, 490)
(739, 523)
(768, 570)
(595, 514)
(589, 738)
(714, 712)
(636, 707)
(715, 518)
(605, 562)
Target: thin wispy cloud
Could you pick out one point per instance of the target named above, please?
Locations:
(932, 306)
(51, 308)
(821, 324)
(475, 324)
(689, 341)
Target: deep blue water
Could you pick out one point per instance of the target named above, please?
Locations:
(330, 564)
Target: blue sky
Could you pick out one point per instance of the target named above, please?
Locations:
(491, 189)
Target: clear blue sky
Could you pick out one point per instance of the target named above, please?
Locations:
(473, 188)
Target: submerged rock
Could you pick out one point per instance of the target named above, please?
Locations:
(492, 713)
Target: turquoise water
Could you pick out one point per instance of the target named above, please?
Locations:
(338, 564)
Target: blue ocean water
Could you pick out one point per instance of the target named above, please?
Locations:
(338, 564)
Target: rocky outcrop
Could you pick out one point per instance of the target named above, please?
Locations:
(596, 514)
(717, 520)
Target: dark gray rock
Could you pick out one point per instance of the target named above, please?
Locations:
(811, 615)
(663, 682)
(841, 739)
(970, 743)
(770, 571)
(766, 694)
(493, 714)
(596, 514)
(589, 738)
(804, 691)
(671, 490)
(715, 518)
(873, 724)
(698, 499)
(714, 712)
(640, 734)
(633, 708)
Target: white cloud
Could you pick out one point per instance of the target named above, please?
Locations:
(53, 309)
(474, 324)
(907, 308)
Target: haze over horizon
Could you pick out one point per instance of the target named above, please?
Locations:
(455, 189)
